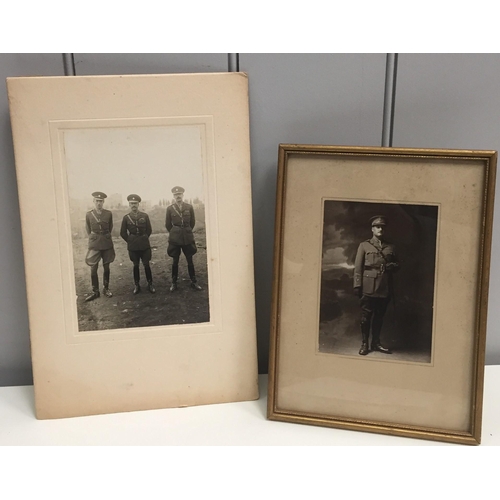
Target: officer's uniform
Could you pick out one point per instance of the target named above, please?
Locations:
(375, 262)
(136, 230)
(100, 246)
(180, 221)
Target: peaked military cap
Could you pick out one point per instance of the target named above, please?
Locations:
(378, 220)
(134, 197)
(98, 195)
(178, 189)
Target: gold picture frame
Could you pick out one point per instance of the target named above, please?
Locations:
(427, 380)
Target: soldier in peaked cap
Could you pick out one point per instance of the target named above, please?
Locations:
(180, 222)
(99, 224)
(136, 230)
(375, 263)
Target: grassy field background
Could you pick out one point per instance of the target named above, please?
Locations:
(125, 310)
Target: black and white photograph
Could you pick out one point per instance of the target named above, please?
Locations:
(137, 215)
(377, 280)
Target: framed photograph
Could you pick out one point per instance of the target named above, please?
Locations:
(381, 270)
(136, 219)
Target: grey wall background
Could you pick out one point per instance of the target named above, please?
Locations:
(442, 101)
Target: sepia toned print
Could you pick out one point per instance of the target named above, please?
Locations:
(139, 135)
(377, 280)
(133, 192)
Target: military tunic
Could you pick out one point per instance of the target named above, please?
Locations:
(375, 262)
(99, 227)
(136, 230)
(180, 222)
(100, 246)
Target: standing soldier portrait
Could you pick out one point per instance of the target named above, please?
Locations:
(136, 230)
(180, 221)
(99, 224)
(375, 263)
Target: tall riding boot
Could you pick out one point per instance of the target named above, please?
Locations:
(149, 278)
(175, 273)
(137, 277)
(95, 288)
(192, 275)
(365, 335)
(105, 278)
(376, 329)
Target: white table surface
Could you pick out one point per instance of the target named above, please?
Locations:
(316, 462)
(222, 424)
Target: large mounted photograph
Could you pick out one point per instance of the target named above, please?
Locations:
(381, 269)
(136, 212)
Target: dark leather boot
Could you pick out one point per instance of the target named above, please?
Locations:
(137, 288)
(365, 335)
(376, 346)
(95, 286)
(380, 348)
(192, 277)
(192, 274)
(151, 288)
(106, 291)
(149, 277)
(94, 295)
(175, 274)
(364, 349)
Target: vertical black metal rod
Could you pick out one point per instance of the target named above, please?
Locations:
(233, 62)
(391, 74)
(69, 64)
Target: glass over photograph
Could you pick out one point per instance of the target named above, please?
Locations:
(377, 280)
(137, 214)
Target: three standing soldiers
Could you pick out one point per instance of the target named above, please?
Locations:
(136, 230)
(375, 262)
